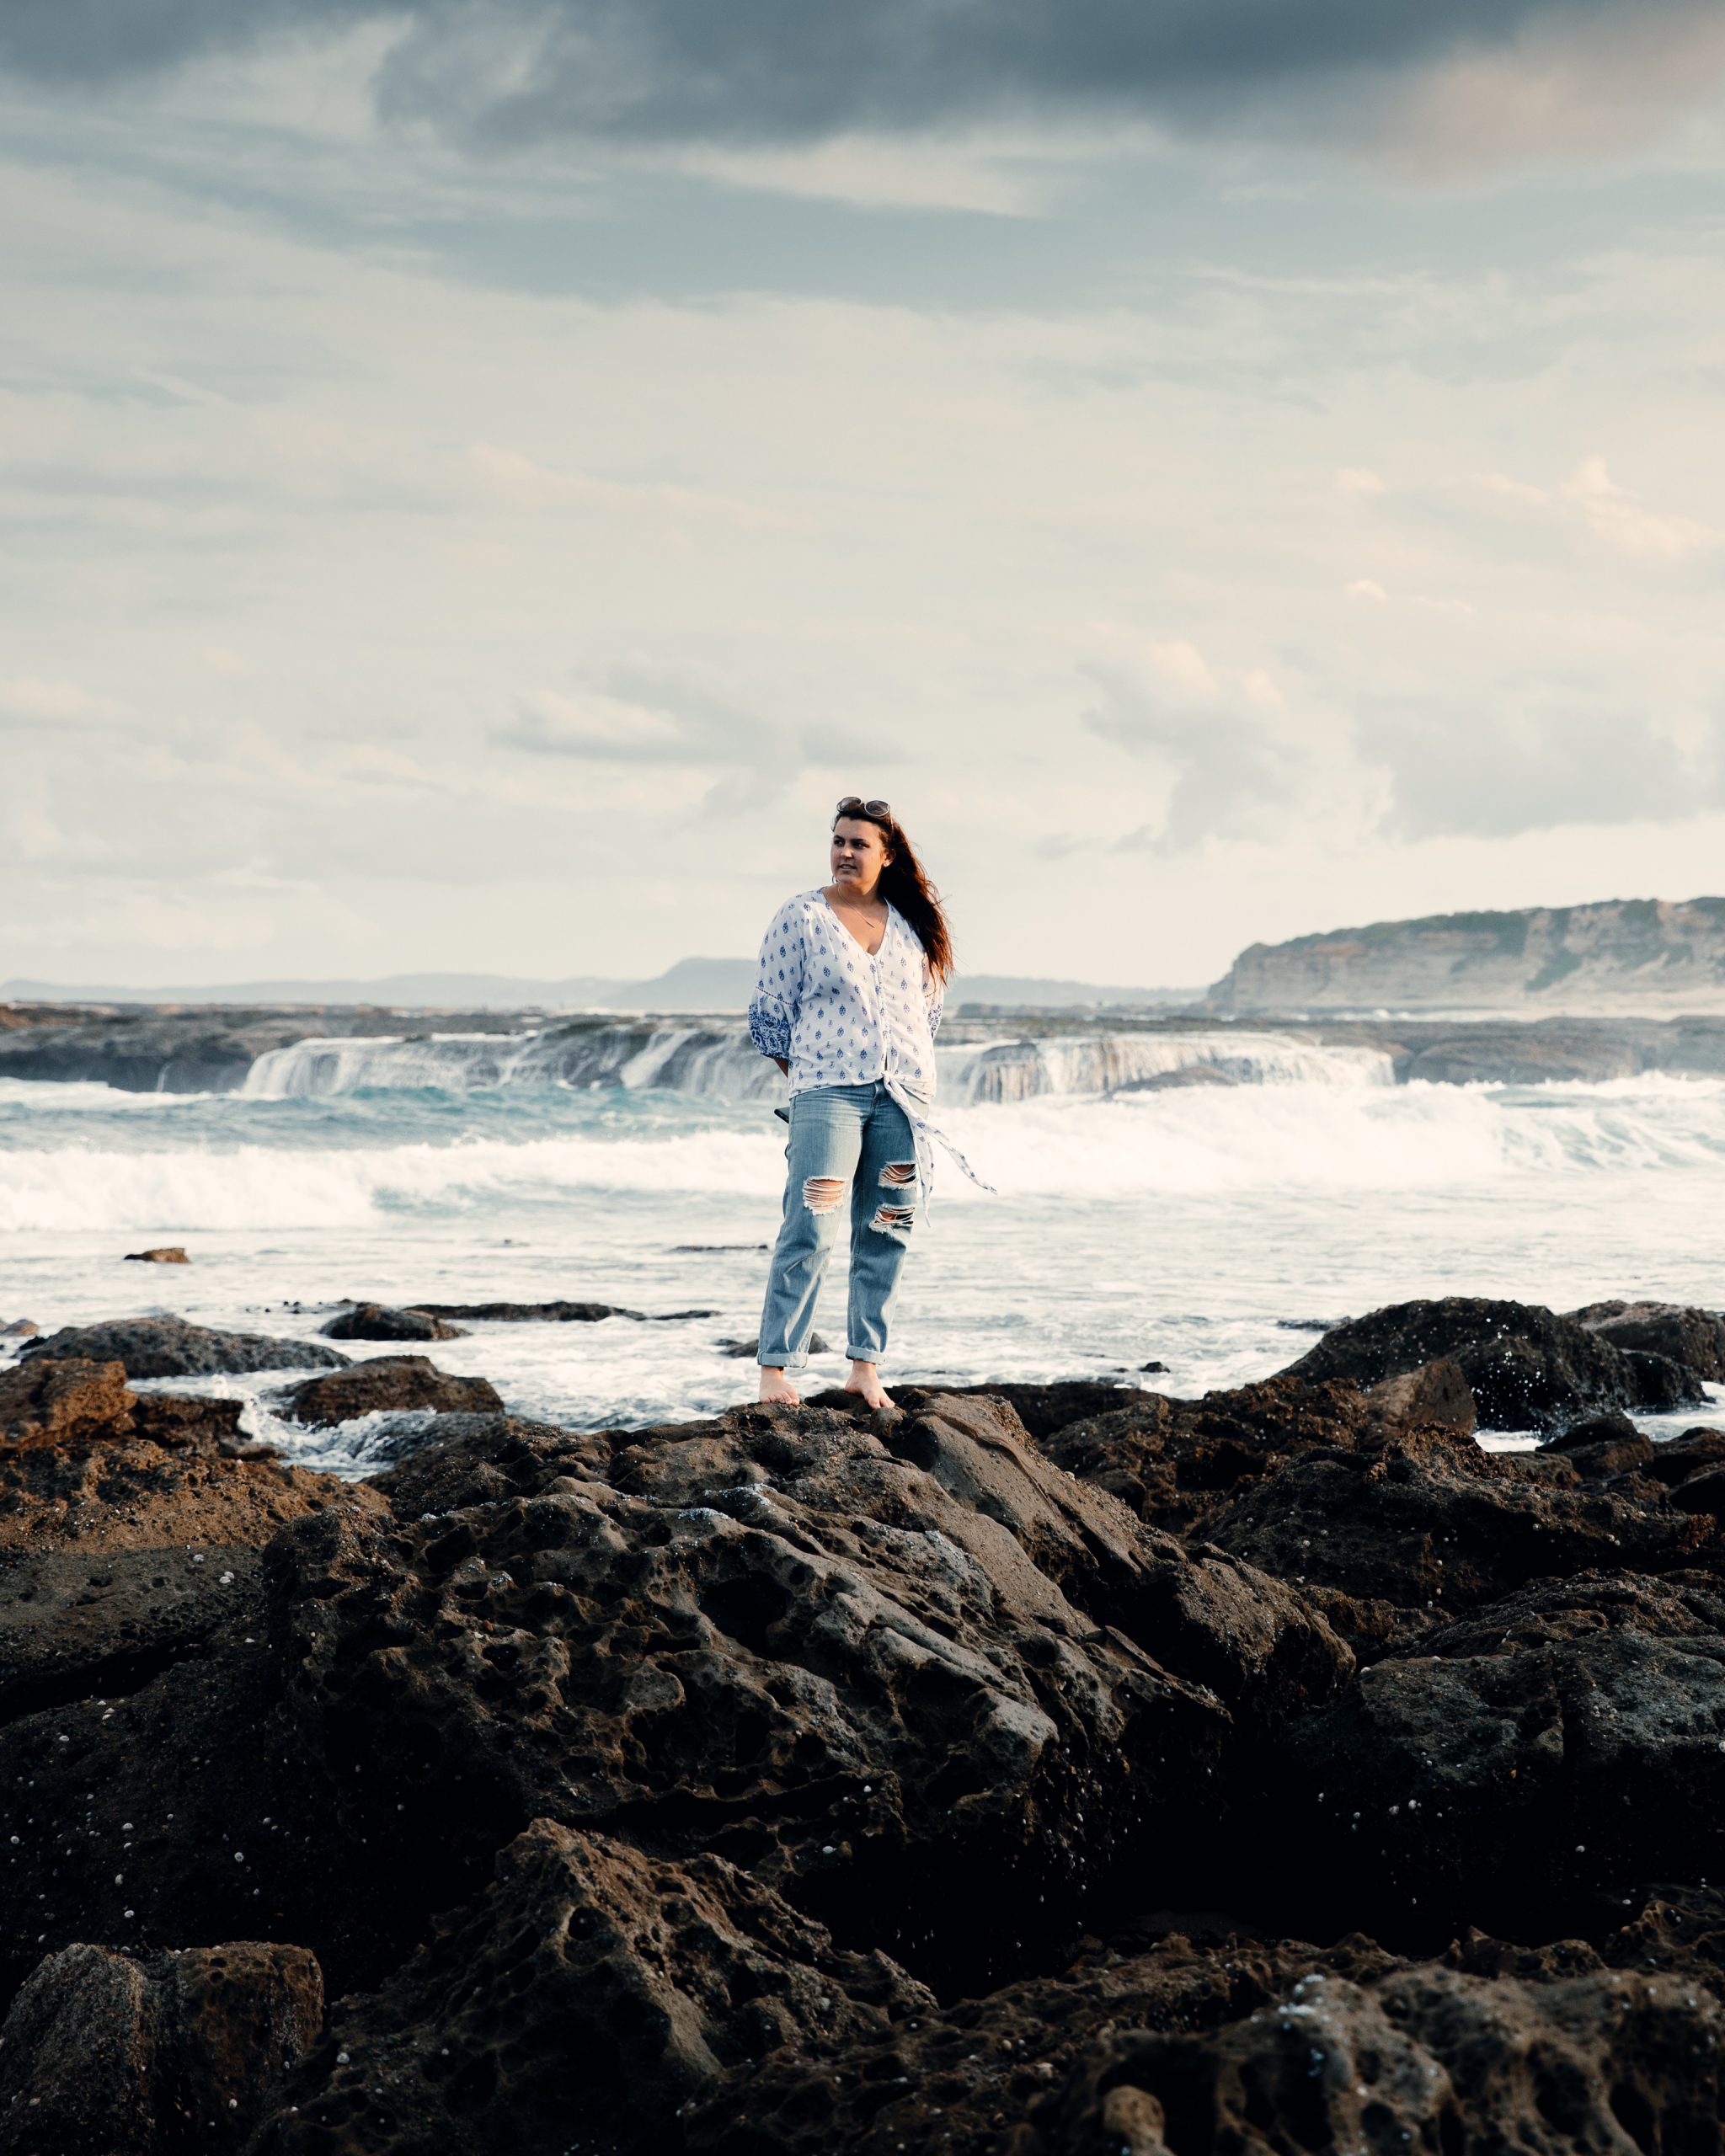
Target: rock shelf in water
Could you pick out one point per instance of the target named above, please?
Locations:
(1052, 1771)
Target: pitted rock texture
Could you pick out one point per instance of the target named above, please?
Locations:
(387, 1384)
(1537, 1760)
(1681, 1333)
(69, 1402)
(377, 1322)
(592, 1981)
(1429, 1521)
(106, 2054)
(1529, 1368)
(629, 1787)
(170, 1347)
(890, 1681)
(1211, 2039)
(115, 1490)
(1173, 1461)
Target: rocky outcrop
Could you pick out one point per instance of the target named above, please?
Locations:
(1533, 1764)
(1693, 1338)
(892, 1680)
(1212, 2037)
(1527, 1368)
(551, 1313)
(389, 1384)
(802, 1783)
(1625, 953)
(666, 1979)
(376, 1322)
(164, 1254)
(51, 1403)
(159, 2055)
(171, 1348)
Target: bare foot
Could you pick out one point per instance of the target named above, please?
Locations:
(777, 1390)
(865, 1381)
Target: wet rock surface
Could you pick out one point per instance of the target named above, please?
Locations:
(105, 2053)
(551, 1313)
(377, 1322)
(171, 1348)
(1081, 1771)
(1694, 1337)
(1529, 1368)
(389, 1384)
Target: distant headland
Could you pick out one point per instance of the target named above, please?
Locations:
(1648, 955)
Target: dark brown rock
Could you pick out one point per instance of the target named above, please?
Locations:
(473, 1459)
(1600, 1446)
(1043, 1409)
(1435, 1395)
(170, 1347)
(1173, 1461)
(588, 1982)
(180, 1418)
(1696, 1339)
(105, 2054)
(1190, 2039)
(376, 1322)
(933, 1692)
(1536, 1761)
(1703, 1494)
(1429, 1521)
(551, 1313)
(1426, 2057)
(166, 1254)
(70, 1402)
(1528, 1369)
(1679, 1457)
(390, 1383)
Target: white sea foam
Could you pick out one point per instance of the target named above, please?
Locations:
(1274, 1138)
(720, 1062)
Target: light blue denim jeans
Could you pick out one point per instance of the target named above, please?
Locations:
(846, 1142)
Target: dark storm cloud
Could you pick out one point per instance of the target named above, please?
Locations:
(787, 70)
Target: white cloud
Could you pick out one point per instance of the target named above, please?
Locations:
(54, 703)
(1614, 515)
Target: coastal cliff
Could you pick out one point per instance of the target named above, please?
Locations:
(1643, 954)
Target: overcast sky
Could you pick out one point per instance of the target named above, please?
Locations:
(477, 481)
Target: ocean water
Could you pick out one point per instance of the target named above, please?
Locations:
(1239, 1188)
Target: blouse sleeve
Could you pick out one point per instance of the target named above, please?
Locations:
(778, 984)
(934, 995)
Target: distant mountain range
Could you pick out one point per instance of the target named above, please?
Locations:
(1648, 955)
(692, 985)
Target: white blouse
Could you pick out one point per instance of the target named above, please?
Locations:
(839, 1016)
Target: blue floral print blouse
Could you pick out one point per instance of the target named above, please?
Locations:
(842, 1017)
(837, 1016)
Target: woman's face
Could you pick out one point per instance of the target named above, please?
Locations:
(859, 853)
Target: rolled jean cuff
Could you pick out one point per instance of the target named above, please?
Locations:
(785, 1362)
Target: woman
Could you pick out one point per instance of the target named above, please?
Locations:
(847, 1003)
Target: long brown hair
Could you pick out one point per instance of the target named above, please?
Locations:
(905, 883)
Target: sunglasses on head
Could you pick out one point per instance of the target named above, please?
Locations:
(853, 804)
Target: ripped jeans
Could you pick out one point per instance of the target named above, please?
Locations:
(846, 1142)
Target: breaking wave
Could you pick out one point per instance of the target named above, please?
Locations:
(721, 1062)
(1310, 1134)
